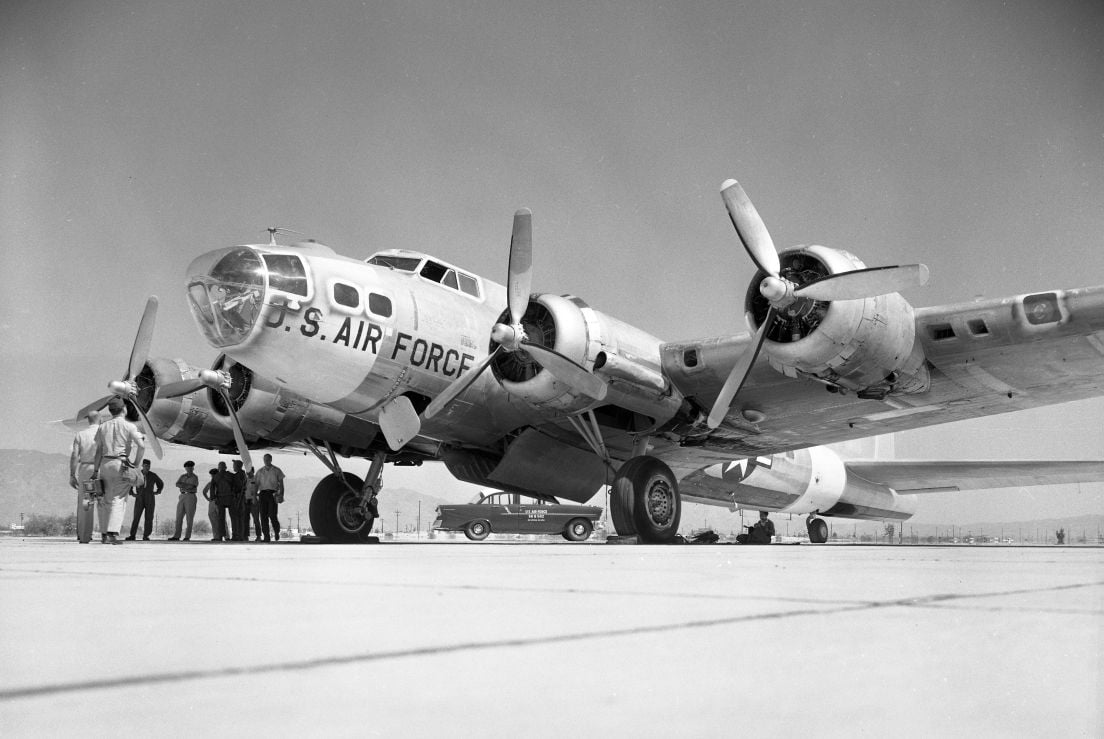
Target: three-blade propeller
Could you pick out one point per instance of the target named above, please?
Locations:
(127, 388)
(781, 292)
(219, 381)
(512, 337)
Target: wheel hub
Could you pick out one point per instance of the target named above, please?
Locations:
(350, 513)
(660, 503)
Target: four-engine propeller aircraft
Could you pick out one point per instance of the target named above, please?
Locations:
(403, 358)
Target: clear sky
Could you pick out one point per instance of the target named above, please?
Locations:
(136, 135)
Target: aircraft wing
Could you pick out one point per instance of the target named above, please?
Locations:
(924, 476)
(984, 358)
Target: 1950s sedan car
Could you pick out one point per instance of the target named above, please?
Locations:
(517, 513)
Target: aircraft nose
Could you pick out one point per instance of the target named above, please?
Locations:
(225, 293)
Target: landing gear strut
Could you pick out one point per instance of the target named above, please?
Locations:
(342, 507)
(818, 529)
(645, 500)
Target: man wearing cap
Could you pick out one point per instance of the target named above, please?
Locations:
(188, 484)
(82, 461)
(115, 441)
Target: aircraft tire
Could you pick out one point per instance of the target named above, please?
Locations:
(578, 529)
(477, 530)
(333, 513)
(645, 501)
(818, 530)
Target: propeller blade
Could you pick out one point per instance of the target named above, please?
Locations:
(750, 228)
(739, 374)
(520, 275)
(239, 437)
(182, 387)
(458, 386)
(95, 405)
(139, 353)
(399, 422)
(567, 371)
(865, 283)
(151, 437)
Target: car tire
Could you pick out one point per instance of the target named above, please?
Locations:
(477, 530)
(578, 529)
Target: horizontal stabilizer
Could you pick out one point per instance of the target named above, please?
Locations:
(924, 476)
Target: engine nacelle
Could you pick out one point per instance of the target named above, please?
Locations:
(274, 415)
(627, 358)
(868, 346)
(188, 419)
(813, 480)
(269, 415)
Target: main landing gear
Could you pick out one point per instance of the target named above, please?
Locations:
(818, 529)
(342, 509)
(645, 501)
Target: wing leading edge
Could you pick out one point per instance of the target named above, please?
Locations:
(930, 476)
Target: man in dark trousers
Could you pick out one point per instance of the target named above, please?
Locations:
(239, 514)
(223, 488)
(270, 487)
(144, 501)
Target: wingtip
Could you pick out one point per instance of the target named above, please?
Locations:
(523, 212)
(727, 184)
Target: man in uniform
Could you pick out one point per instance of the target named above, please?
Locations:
(115, 441)
(761, 533)
(188, 484)
(144, 501)
(239, 513)
(222, 488)
(270, 484)
(82, 462)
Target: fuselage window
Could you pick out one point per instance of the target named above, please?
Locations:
(379, 304)
(346, 295)
(468, 284)
(286, 273)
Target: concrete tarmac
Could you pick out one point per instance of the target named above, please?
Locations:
(522, 639)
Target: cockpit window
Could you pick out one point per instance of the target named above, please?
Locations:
(286, 273)
(403, 264)
(468, 284)
(434, 272)
(451, 278)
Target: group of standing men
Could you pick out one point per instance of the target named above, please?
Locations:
(101, 461)
(254, 496)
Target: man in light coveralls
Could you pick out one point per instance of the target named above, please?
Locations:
(115, 441)
(82, 462)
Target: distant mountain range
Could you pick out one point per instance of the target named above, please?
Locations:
(37, 483)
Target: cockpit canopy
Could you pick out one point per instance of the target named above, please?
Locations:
(429, 269)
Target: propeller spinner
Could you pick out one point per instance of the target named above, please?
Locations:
(780, 292)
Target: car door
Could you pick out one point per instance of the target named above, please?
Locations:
(534, 518)
(506, 513)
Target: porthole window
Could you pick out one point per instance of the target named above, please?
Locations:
(346, 295)
(380, 305)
